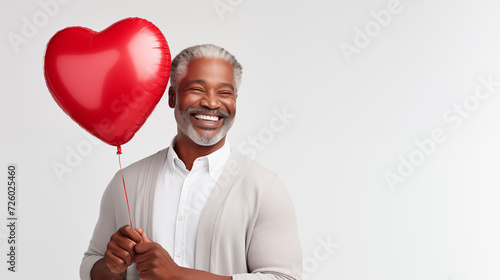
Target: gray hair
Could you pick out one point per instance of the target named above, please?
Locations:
(178, 69)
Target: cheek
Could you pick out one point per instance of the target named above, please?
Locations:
(188, 100)
(230, 104)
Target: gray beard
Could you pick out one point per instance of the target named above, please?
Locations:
(186, 127)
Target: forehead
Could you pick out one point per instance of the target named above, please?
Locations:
(210, 69)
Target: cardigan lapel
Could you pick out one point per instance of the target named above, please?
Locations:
(146, 187)
(209, 213)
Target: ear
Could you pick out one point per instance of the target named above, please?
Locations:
(171, 97)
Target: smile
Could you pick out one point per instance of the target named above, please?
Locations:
(207, 118)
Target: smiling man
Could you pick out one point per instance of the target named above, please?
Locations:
(202, 210)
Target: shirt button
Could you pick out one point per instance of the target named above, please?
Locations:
(179, 255)
(181, 218)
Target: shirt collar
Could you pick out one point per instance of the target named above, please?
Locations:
(216, 160)
(172, 157)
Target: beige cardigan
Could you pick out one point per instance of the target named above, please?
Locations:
(247, 228)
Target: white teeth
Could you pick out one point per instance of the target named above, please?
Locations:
(207, 118)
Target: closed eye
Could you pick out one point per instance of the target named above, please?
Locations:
(196, 89)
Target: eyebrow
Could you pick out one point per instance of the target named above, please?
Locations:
(228, 85)
(203, 83)
(195, 82)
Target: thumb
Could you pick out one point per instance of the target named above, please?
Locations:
(145, 238)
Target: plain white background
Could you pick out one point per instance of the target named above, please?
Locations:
(355, 118)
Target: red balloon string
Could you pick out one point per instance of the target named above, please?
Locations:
(119, 152)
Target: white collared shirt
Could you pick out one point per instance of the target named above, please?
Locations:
(179, 199)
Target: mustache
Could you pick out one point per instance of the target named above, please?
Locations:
(207, 111)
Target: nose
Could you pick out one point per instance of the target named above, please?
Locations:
(210, 100)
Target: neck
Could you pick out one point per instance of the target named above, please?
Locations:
(188, 151)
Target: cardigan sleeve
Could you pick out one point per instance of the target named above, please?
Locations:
(105, 227)
(114, 212)
(274, 251)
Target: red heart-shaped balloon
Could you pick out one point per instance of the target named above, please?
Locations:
(110, 81)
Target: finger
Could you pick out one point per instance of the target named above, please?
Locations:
(142, 266)
(119, 242)
(114, 263)
(131, 233)
(145, 275)
(139, 230)
(143, 247)
(144, 252)
(145, 238)
(127, 255)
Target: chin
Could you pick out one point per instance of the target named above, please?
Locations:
(205, 140)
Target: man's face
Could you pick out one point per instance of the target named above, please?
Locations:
(205, 103)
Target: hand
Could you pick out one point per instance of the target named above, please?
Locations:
(120, 252)
(154, 262)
